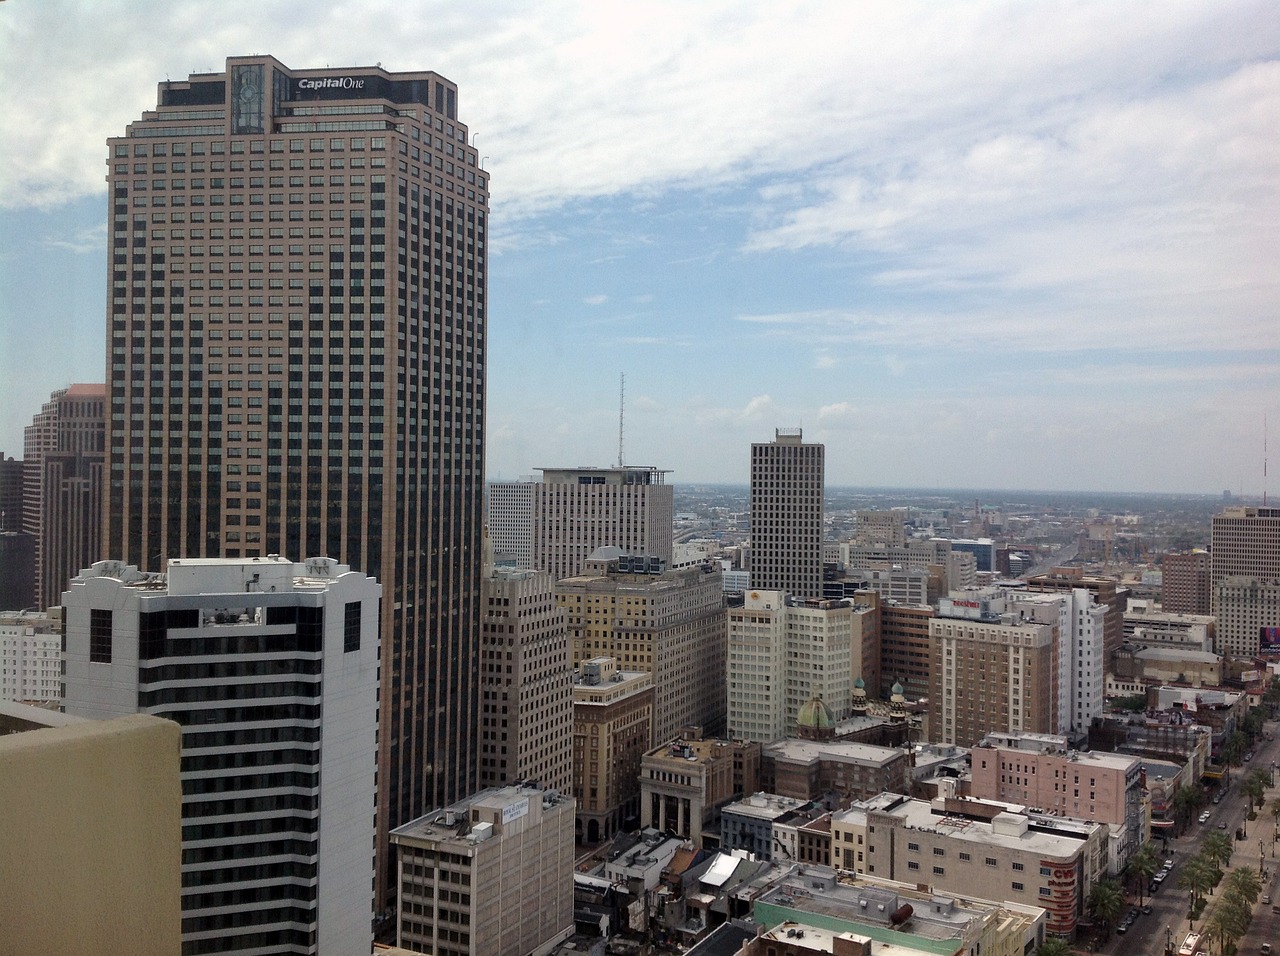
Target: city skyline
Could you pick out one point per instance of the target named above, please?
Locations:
(961, 246)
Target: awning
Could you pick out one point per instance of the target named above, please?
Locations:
(719, 872)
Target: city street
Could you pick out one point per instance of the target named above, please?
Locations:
(1168, 920)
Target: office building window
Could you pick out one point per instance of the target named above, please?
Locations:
(100, 635)
(351, 628)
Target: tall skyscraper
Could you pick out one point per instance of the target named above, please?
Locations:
(786, 514)
(557, 523)
(10, 493)
(63, 450)
(271, 669)
(297, 364)
(1245, 571)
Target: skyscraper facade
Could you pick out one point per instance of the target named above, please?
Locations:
(786, 514)
(577, 510)
(667, 622)
(526, 683)
(783, 652)
(1184, 584)
(296, 327)
(63, 450)
(1245, 569)
(271, 669)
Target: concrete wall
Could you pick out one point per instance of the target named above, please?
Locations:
(90, 839)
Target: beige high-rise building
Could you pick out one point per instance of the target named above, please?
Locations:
(994, 670)
(612, 729)
(1245, 544)
(783, 652)
(577, 510)
(526, 683)
(63, 451)
(1248, 615)
(884, 528)
(787, 484)
(668, 623)
(296, 329)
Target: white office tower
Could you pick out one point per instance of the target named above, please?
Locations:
(271, 669)
(783, 652)
(557, 523)
(1081, 631)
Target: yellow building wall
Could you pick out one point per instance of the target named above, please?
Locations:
(90, 839)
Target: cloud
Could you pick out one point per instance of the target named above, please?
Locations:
(837, 415)
(598, 299)
(757, 408)
(824, 360)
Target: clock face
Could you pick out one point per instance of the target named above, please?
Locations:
(246, 89)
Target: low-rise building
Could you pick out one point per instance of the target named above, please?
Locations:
(987, 849)
(812, 769)
(685, 783)
(491, 875)
(812, 909)
(1041, 770)
(748, 824)
(1145, 622)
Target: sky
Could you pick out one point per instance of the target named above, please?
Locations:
(1024, 245)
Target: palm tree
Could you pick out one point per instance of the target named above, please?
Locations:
(1217, 849)
(1143, 864)
(1255, 785)
(1198, 875)
(1217, 928)
(1186, 800)
(1054, 947)
(1106, 900)
(1243, 882)
(1228, 921)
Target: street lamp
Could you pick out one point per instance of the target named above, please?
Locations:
(1261, 857)
(1168, 941)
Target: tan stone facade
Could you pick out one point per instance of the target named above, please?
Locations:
(988, 675)
(669, 623)
(91, 835)
(685, 783)
(612, 727)
(526, 683)
(489, 876)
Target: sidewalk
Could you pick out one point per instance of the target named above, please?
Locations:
(1259, 851)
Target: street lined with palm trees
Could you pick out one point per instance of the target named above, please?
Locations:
(1223, 882)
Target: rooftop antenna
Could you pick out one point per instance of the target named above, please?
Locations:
(622, 407)
(1264, 459)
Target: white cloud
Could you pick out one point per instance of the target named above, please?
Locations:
(757, 408)
(598, 299)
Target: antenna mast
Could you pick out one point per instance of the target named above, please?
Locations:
(622, 406)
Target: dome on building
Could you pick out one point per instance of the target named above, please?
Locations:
(860, 684)
(815, 719)
(896, 690)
